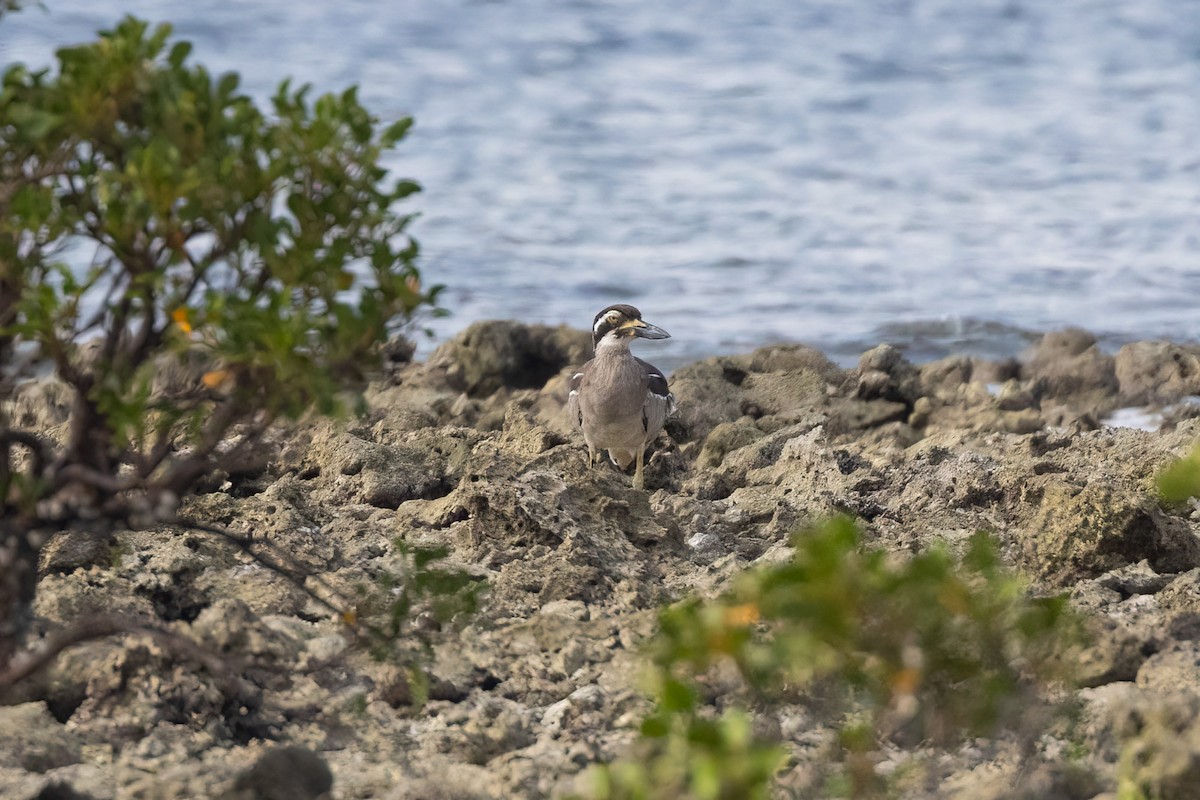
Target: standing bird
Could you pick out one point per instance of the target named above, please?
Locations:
(617, 401)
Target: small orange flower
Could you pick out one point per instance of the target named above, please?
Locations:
(180, 315)
(215, 378)
(743, 615)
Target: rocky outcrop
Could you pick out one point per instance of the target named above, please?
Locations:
(489, 356)
(1157, 372)
(1070, 367)
(470, 452)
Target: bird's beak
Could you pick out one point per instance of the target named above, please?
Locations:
(645, 330)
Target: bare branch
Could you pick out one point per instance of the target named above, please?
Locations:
(80, 473)
(157, 454)
(298, 576)
(105, 625)
(40, 449)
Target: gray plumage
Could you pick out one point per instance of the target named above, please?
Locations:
(618, 401)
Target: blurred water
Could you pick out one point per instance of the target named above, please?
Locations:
(948, 176)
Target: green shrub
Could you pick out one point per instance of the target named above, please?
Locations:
(926, 648)
(1180, 481)
(242, 267)
(260, 254)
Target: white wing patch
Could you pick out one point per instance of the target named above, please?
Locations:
(573, 410)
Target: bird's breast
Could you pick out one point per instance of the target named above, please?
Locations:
(614, 389)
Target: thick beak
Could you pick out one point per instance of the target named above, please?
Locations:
(645, 330)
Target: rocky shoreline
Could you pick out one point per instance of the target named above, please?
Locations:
(471, 451)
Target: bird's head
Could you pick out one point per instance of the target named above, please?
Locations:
(621, 323)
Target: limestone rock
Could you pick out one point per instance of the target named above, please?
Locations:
(497, 354)
(1157, 372)
(1084, 531)
(32, 740)
(285, 773)
(1070, 364)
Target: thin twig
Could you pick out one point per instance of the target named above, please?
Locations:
(102, 626)
(38, 447)
(296, 575)
(79, 473)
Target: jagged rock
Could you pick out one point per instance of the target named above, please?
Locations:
(1115, 653)
(946, 378)
(1175, 669)
(497, 354)
(32, 740)
(1028, 421)
(1161, 755)
(1016, 397)
(1157, 372)
(884, 374)
(782, 383)
(860, 415)
(542, 681)
(1070, 364)
(794, 358)
(1080, 532)
(285, 773)
(70, 550)
(41, 405)
(724, 439)
(1136, 578)
(405, 465)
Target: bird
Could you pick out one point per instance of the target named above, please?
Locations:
(618, 401)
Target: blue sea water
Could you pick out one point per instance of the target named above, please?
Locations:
(950, 176)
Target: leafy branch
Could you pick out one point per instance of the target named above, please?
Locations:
(929, 648)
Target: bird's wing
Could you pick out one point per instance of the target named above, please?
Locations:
(660, 403)
(573, 411)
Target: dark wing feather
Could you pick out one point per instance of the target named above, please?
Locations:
(660, 403)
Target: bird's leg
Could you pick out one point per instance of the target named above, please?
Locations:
(639, 479)
(591, 457)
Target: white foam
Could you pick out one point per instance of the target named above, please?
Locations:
(1143, 419)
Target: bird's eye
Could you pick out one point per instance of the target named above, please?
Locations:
(614, 317)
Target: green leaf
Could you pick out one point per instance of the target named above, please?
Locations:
(1180, 481)
(677, 696)
(405, 188)
(228, 84)
(179, 53)
(395, 132)
(655, 727)
(426, 555)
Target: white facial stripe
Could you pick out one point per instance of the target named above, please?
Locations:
(612, 318)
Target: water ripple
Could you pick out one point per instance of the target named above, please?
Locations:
(946, 175)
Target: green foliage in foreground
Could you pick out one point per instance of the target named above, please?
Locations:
(231, 266)
(1180, 481)
(408, 604)
(243, 264)
(926, 648)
